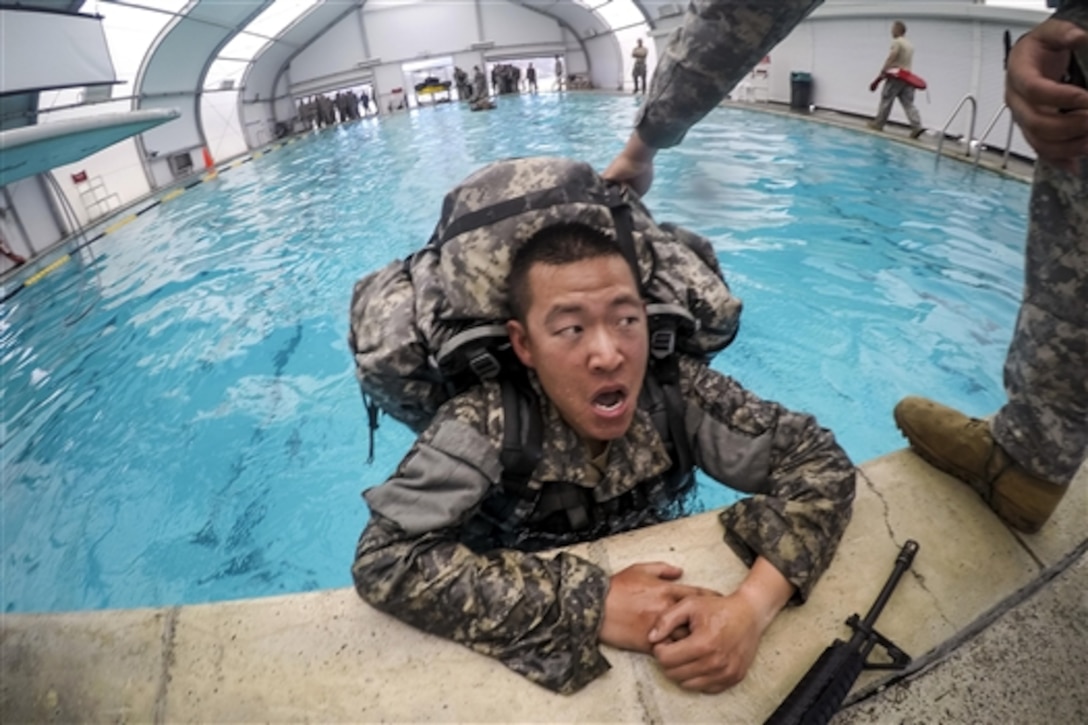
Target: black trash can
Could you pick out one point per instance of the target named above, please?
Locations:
(800, 90)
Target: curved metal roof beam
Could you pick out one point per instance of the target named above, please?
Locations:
(645, 13)
(164, 57)
(528, 5)
(357, 5)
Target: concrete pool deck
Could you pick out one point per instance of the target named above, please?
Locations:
(327, 657)
(997, 623)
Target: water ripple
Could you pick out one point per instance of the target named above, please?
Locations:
(199, 434)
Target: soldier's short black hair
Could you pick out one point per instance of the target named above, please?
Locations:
(556, 245)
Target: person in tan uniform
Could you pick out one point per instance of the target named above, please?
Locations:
(900, 56)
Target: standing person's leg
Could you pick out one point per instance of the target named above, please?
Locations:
(888, 95)
(1044, 426)
(1022, 463)
(906, 99)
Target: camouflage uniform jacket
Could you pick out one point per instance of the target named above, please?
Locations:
(540, 616)
(719, 42)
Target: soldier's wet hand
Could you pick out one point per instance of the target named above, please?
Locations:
(1053, 116)
(637, 597)
(724, 631)
(724, 637)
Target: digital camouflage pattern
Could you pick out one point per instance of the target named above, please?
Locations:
(719, 42)
(1044, 425)
(540, 615)
(403, 314)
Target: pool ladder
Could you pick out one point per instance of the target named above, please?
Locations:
(972, 143)
(986, 134)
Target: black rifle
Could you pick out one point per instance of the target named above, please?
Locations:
(823, 688)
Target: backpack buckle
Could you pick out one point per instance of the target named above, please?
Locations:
(484, 364)
(663, 342)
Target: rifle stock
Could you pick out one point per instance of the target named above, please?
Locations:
(817, 697)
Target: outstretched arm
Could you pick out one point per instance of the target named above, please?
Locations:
(719, 42)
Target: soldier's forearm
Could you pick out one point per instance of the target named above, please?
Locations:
(720, 41)
(797, 525)
(538, 616)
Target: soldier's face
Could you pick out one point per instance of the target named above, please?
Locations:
(585, 336)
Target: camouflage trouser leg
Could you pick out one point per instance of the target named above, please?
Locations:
(1044, 426)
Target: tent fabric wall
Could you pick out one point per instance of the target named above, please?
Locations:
(957, 55)
(46, 50)
(172, 76)
(397, 35)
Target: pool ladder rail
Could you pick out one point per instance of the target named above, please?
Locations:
(974, 145)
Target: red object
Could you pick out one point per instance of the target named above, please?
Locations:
(79, 178)
(208, 161)
(6, 251)
(907, 77)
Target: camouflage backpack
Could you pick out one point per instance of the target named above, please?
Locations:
(428, 327)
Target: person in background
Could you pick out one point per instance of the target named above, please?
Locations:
(900, 56)
(559, 79)
(530, 78)
(479, 84)
(460, 79)
(638, 73)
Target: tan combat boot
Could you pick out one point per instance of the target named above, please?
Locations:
(965, 448)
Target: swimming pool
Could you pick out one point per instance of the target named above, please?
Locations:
(198, 435)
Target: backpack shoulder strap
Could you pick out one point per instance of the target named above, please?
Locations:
(667, 410)
(523, 442)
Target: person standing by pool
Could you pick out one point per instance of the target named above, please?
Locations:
(1022, 462)
(900, 56)
(559, 73)
(530, 78)
(639, 71)
(479, 84)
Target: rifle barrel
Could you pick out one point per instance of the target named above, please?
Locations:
(902, 563)
(824, 687)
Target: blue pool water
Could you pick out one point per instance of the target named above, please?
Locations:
(181, 422)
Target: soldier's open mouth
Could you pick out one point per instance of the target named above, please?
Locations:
(609, 400)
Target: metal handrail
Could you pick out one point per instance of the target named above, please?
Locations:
(970, 134)
(986, 134)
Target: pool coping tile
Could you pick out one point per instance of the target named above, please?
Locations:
(327, 656)
(80, 666)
